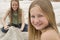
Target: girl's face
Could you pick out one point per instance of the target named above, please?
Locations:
(38, 20)
(14, 5)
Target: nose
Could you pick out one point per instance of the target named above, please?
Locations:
(14, 6)
(36, 20)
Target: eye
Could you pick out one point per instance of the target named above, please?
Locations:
(40, 15)
(16, 4)
(32, 16)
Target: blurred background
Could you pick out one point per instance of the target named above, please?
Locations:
(24, 5)
(31, 0)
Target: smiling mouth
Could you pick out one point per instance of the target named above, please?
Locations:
(38, 24)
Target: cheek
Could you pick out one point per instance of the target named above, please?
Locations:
(44, 20)
(16, 6)
(13, 7)
(32, 20)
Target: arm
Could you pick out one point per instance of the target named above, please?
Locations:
(23, 22)
(3, 20)
(52, 35)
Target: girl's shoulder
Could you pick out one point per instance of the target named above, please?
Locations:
(50, 35)
(8, 11)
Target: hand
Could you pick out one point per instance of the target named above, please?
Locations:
(12, 26)
(21, 29)
(6, 28)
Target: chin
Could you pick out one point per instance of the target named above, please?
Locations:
(14, 10)
(39, 28)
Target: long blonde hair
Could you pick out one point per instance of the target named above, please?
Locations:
(19, 11)
(46, 7)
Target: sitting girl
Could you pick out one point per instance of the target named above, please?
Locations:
(16, 17)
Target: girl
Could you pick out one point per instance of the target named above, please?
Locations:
(11, 31)
(42, 24)
(16, 17)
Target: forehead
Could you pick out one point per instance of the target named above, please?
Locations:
(36, 9)
(14, 2)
